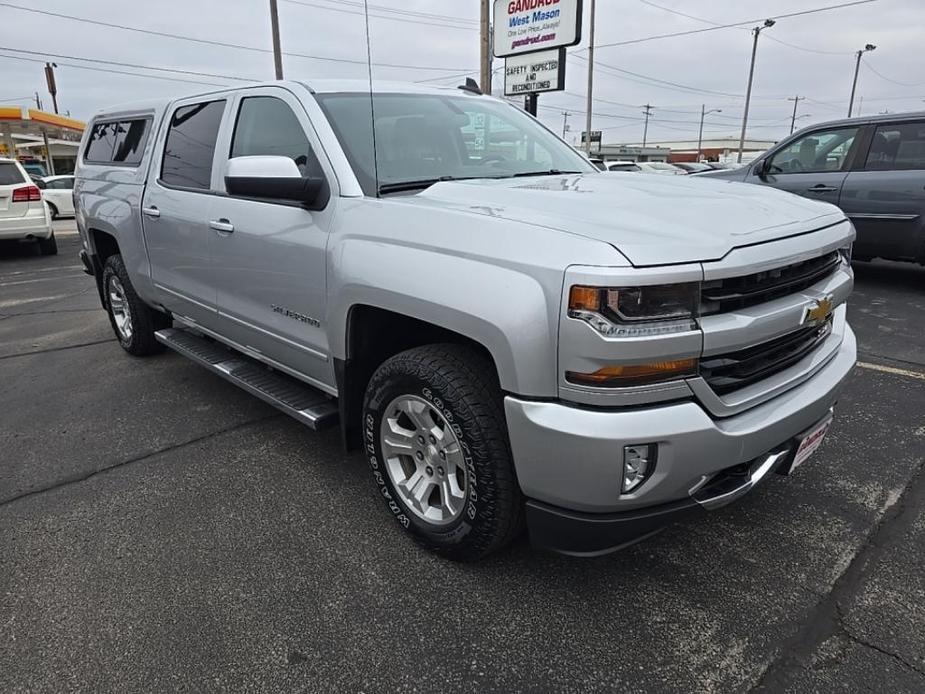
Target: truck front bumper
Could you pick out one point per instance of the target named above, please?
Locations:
(569, 459)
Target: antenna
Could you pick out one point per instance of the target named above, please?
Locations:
(372, 106)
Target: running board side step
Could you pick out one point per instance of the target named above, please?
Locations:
(299, 400)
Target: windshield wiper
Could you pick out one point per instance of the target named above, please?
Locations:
(548, 172)
(419, 185)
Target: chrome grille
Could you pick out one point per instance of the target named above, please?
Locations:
(729, 372)
(732, 293)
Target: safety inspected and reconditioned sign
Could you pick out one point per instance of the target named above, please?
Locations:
(526, 26)
(533, 73)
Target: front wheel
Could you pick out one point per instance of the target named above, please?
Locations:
(133, 321)
(436, 439)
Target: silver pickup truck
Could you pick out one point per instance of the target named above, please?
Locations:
(513, 337)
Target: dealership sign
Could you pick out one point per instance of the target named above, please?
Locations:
(543, 71)
(527, 26)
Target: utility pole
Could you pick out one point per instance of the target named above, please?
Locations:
(38, 101)
(590, 106)
(857, 68)
(768, 23)
(486, 47)
(50, 80)
(860, 103)
(793, 120)
(277, 51)
(645, 131)
(565, 117)
(703, 113)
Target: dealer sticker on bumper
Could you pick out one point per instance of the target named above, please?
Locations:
(811, 442)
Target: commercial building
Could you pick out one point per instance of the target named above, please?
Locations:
(715, 149)
(30, 134)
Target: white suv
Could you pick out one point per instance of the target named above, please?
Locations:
(23, 213)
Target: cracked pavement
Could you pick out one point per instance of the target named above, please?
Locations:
(161, 530)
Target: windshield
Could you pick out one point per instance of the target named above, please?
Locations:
(425, 137)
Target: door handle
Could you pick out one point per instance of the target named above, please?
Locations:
(222, 225)
(822, 188)
(151, 212)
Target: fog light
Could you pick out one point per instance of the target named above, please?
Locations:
(638, 465)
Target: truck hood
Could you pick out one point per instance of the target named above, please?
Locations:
(652, 220)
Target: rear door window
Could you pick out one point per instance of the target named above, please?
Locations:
(190, 148)
(10, 174)
(897, 147)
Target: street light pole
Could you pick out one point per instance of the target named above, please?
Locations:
(277, 51)
(703, 113)
(793, 120)
(768, 23)
(590, 106)
(857, 68)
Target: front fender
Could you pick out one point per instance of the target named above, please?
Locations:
(512, 314)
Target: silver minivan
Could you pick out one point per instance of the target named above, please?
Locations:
(873, 168)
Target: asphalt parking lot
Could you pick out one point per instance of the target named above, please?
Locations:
(161, 530)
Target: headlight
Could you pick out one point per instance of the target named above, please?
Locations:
(845, 252)
(636, 311)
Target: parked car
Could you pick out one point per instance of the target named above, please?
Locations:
(34, 168)
(661, 168)
(58, 192)
(630, 166)
(872, 167)
(23, 215)
(509, 336)
(692, 167)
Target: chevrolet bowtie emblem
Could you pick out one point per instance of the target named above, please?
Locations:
(818, 311)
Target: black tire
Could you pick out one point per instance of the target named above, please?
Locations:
(53, 209)
(48, 246)
(461, 384)
(145, 320)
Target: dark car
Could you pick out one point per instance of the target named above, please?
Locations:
(871, 167)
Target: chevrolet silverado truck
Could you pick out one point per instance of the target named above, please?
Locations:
(513, 338)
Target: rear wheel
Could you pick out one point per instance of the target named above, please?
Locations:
(48, 246)
(54, 210)
(133, 321)
(436, 439)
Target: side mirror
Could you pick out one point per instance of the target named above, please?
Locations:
(274, 178)
(763, 167)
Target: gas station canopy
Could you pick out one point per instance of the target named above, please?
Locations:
(28, 123)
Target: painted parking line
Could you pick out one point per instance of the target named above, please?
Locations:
(892, 370)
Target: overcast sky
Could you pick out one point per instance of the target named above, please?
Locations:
(442, 35)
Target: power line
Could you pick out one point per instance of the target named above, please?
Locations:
(398, 11)
(221, 44)
(733, 24)
(114, 72)
(660, 83)
(717, 24)
(124, 64)
(377, 16)
(884, 77)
